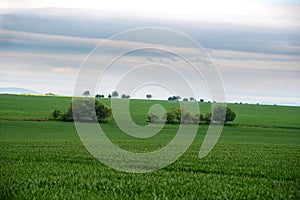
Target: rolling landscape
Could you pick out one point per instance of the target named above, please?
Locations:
(256, 155)
(149, 100)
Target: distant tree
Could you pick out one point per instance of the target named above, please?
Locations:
(149, 96)
(174, 98)
(84, 110)
(109, 96)
(201, 100)
(153, 118)
(198, 118)
(192, 99)
(125, 96)
(170, 99)
(114, 94)
(222, 114)
(177, 112)
(86, 93)
(207, 118)
(56, 114)
(98, 96)
(170, 117)
(185, 99)
(186, 118)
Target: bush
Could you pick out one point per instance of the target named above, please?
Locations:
(86, 110)
(207, 118)
(56, 115)
(187, 118)
(222, 114)
(153, 118)
(170, 117)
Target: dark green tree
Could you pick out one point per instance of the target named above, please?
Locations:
(86, 93)
(222, 115)
(153, 118)
(87, 110)
(114, 94)
(149, 96)
(56, 115)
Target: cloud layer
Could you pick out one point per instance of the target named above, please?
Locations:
(47, 46)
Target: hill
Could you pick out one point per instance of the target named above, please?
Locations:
(16, 90)
(40, 107)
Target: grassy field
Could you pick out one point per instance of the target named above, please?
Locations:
(257, 157)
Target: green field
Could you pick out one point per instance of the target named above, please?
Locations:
(257, 156)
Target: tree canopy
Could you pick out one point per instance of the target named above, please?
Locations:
(86, 93)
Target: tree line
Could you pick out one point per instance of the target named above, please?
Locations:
(90, 110)
(83, 110)
(219, 115)
(115, 94)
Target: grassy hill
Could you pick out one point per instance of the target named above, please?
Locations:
(17, 107)
(256, 157)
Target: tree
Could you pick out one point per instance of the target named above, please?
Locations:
(174, 98)
(149, 96)
(99, 96)
(201, 100)
(222, 114)
(171, 98)
(192, 99)
(153, 118)
(86, 93)
(198, 118)
(56, 114)
(170, 117)
(207, 118)
(85, 110)
(186, 118)
(125, 96)
(114, 94)
(109, 96)
(185, 99)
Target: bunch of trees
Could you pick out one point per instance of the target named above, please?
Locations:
(83, 110)
(174, 98)
(220, 115)
(99, 96)
(149, 96)
(125, 96)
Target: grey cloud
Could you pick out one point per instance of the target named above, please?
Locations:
(74, 22)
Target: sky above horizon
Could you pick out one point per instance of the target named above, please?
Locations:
(255, 44)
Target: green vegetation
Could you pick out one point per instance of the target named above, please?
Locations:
(257, 156)
(220, 115)
(83, 110)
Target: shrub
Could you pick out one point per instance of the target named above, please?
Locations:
(222, 114)
(153, 118)
(207, 118)
(56, 115)
(170, 117)
(187, 118)
(87, 110)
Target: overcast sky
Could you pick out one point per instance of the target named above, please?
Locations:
(255, 44)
